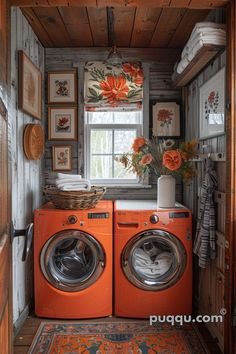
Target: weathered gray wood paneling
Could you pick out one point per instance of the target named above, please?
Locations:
(26, 175)
(160, 87)
(209, 290)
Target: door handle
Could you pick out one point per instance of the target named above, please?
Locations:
(127, 224)
(28, 234)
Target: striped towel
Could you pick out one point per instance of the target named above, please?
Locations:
(205, 239)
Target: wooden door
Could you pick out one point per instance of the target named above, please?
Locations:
(230, 254)
(5, 244)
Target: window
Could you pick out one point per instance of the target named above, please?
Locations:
(109, 135)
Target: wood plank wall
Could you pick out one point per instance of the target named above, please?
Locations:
(26, 175)
(208, 292)
(158, 86)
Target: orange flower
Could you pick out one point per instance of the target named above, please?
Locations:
(115, 88)
(188, 149)
(172, 160)
(184, 155)
(138, 143)
(164, 115)
(189, 174)
(135, 71)
(146, 159)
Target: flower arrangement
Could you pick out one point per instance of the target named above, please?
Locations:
(161, 157)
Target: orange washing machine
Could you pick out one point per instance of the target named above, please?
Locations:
(73, 261)
(153, 259)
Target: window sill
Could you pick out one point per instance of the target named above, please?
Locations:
(125, 186)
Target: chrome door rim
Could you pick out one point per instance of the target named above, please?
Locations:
(61, 284)
(165, 237)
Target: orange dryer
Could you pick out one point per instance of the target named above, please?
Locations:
(153, 259)
(73, 261)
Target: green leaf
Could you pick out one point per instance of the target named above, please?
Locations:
(93, 92)
(97, 87)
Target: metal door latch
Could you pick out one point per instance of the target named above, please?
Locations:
(234, 316)
(28, 234)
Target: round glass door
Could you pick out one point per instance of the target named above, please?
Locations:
(154, 260)
(72, 260)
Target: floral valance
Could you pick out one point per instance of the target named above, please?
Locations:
(109, 86)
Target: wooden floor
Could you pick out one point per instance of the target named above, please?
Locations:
(26, 335)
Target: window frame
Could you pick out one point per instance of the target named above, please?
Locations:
(87, 153)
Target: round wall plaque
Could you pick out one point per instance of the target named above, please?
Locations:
(33, 141)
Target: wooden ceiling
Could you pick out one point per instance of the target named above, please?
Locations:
(134, 27)
(196, 4)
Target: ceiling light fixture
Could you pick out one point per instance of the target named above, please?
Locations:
(114, 57)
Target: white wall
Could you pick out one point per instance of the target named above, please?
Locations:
(26, 175)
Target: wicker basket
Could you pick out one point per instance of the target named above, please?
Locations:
(74, 199)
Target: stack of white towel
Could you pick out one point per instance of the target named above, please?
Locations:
(203, 33)
(67, 182)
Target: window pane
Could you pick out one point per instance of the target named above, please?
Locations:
(127, 117)
(132, 117)
(101, 167)
(123, 140)
(100, 117)
(121, 172)
(101, 141)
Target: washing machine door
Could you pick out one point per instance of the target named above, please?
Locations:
(154, 260)
(72, 260)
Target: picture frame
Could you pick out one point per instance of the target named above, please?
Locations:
(62, 123)
(212, 106)
(62, 157)
(165, 119)
(4, 44)
(62, 87)
(29, 87)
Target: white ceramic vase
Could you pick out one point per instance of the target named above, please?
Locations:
(166, 191)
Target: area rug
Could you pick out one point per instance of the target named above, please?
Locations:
(115, 338)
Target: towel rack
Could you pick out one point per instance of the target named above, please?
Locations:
(214, 156)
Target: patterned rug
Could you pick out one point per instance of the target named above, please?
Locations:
(115, 338)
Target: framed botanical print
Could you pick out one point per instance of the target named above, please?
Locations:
(62, 87)
(62, 123)
(212, 106)
(4, 35)
(30, 87)
(62, 157)
(166, 119)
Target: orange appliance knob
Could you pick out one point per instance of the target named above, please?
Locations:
(154, 219)
(72, 219)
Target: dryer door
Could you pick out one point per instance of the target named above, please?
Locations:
(72, 260)
(154, 260)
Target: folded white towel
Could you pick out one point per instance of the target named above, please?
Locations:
(82, 184)
(208, 26)
(182, 65)
(74, 188)
(67, 181)
(199, 44)
(64, 181)
(209, 38)
(68, 176)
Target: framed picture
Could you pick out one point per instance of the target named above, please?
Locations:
(62, 123)
(212, 106)
(30, 87)
(165, 119)
(4, 62)
(62, 157)
(62, 87)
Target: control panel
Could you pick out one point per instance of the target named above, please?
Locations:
(98, 215)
